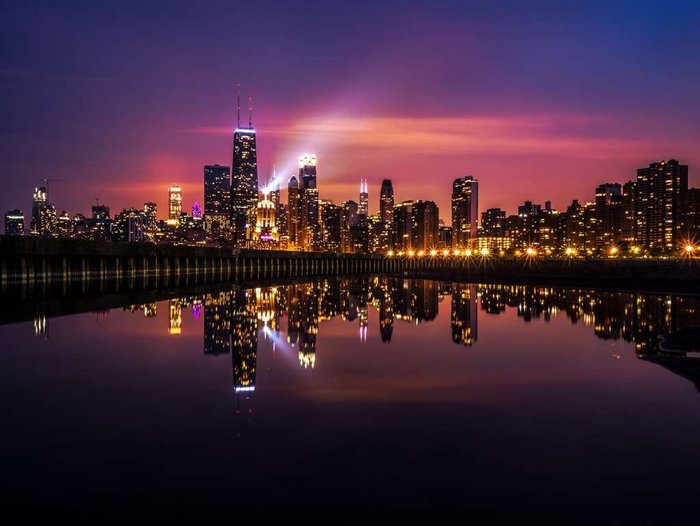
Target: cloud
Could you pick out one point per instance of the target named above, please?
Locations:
(573, 135)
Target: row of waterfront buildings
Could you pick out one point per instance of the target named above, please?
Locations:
(654, 214)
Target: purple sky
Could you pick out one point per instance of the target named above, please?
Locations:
(538, 100)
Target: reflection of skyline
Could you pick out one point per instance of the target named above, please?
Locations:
(233, 318)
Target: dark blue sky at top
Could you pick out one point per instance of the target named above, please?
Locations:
(90, 89)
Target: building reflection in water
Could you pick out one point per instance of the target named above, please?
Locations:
(233, 319)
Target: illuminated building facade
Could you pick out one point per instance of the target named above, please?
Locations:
(660, 194)
(309, 233)
(608, 215)
(174, 204)
(44, 219)
(691, 216)
(293, 212)
(331, 226)
(465, 210)
(425, 224)
(363, 209)
(14, 223)
(266, 233)
(402, 238)
(244, 180)
(217, 198)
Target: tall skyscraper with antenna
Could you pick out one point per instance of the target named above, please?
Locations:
(244, 181)
(364, 198)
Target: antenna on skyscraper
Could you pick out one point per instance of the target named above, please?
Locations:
(250, 112)
(239, 105)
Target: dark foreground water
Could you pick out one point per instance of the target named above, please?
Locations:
(356, 400)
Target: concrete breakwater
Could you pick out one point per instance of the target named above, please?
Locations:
(30, 261)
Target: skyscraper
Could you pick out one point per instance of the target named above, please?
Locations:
(465, 210)
(244, 181)
(217, 197)
(660, 192)
(43, 221)
(386, 201)
(331, 221)
(14, 223)
(424, 225)
(608, 215)
(364, 198)
(308, 224)
(174, 204)
(293, 212)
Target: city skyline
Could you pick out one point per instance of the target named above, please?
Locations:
(560, 130)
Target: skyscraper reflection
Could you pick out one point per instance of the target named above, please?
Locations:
(233, 318)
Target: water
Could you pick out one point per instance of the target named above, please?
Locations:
(354, 399)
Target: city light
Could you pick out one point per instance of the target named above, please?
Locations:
(445, 252)
(484, 251)
(390, 253)
(689, 249)
(410, 253)
(570, 251)
(635, 250)
(613, 251)
(530, 251)
(468, 252)
(421, 253)
(457, 252)
(433, 253)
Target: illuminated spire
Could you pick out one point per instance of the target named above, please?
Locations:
(239, 105)
(250, 112)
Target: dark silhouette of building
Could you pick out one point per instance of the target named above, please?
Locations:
(14, 223)
(217, 198)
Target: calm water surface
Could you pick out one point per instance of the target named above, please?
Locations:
(362, 399)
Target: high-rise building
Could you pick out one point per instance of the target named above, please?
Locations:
(465, 210)
(349, 220)
(660, 193)
(608, 215)
(244, 180)
(331, 224)
(14, 223)
(386, 201)
(401, 228)
(364, 198)
(628, 209)
(309, 233)
(217, 197)
(425, 224)
(174, 204)
(493, 222)
(44, 219)
(293, 212)
(528, 227)
(690, 232)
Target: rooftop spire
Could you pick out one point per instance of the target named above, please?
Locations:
(250, 112)
(239, 105)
